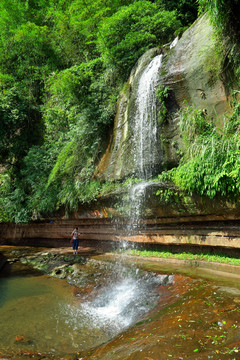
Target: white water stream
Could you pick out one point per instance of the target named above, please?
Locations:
(145, 138)
(122, 302)
(129, 296)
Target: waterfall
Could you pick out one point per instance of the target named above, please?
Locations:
(145, 139)
(131, 293)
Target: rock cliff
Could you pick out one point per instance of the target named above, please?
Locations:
(190, 69)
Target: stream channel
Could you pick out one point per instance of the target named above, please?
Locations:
(108, 306)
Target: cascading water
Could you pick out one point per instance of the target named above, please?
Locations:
(174, 43)
(138, 195)
(128, 294)
(143, 121)
(127, 297)
(145, 139)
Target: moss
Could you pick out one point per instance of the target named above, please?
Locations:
(162, 95)
(126, 88)
(213, 60)
(220, 258)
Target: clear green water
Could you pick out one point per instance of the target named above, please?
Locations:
(46, 313)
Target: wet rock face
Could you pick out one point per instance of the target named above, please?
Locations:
(191, 71)
(61, 266)
(121, 158)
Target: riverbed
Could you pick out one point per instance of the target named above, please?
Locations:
(105, 306)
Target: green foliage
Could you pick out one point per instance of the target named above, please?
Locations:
(162, 95)
(210, 165)
(169, 195)
(12, 14)
(224, 17)
(196, 128)
(221, 258)
(25, 64)
(62, 64)
(224, 14)
(76, 24)
(79, 108)
(187, 10)
(17, 133)
(5, 184)
(132, 30)
(26, 58)
(35, 172)
(80, 91)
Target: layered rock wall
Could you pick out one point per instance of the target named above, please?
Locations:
(206, 231)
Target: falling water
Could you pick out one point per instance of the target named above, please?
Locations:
(129, 296)
(125, 300)
(146, 141)
(138, 196)
(174, 43)
(145, 138)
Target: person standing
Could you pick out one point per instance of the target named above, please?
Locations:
(75, 240)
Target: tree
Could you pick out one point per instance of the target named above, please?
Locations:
(187, 10)
(17, 132)
(225, 15)
(133, 29)
(26, 59)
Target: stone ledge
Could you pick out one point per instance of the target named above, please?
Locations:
(222, 274)
(225, 234)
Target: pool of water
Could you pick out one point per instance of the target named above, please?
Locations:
(41, 314)
(121, 312)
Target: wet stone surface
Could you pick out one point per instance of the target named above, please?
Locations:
(177, 317)
(202, 324)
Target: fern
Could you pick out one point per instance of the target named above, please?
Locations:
(211, 162)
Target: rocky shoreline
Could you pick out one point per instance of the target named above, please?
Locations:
(90, 263)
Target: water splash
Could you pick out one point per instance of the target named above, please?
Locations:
(145, 137)
(119, 304)
(138, 198)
